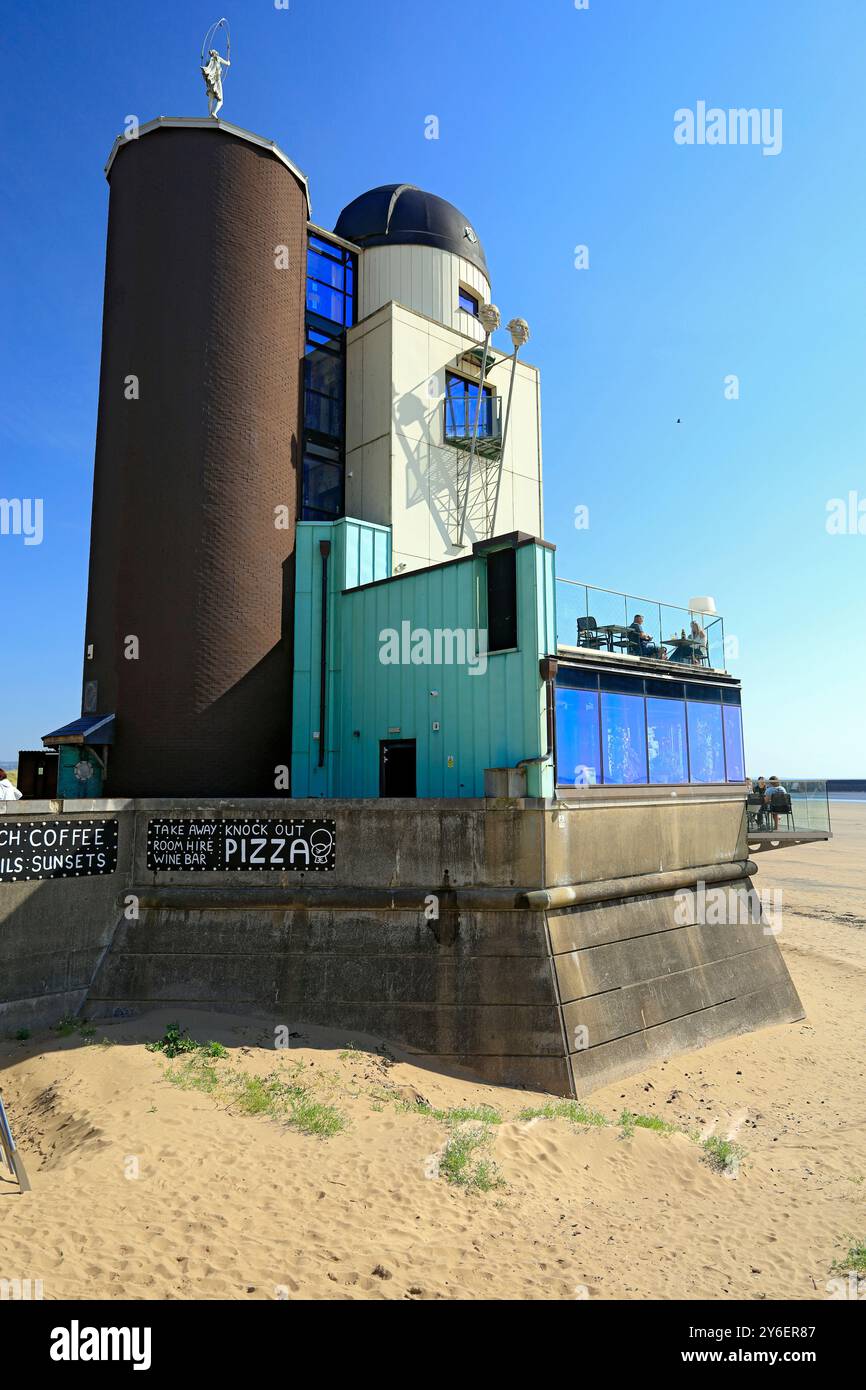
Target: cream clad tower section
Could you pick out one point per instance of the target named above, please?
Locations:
(424, 279)
(416, 344)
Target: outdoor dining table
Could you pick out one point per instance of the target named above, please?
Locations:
(697, 644)
(611, 630)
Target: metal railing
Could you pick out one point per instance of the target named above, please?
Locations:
(810, 807)
(459, 422)
(602, 620)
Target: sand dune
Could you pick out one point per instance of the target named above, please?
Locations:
(142, 1189)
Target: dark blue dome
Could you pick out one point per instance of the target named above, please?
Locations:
(400, 214)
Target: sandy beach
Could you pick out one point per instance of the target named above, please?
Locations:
(197, 1178)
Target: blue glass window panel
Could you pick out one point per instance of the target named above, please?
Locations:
(324, 332)
(327, 248)
(735, 761)
(323, 414)
(468, 302)
(321, 341)
(666, 741)
(623, 738)
(323, 487)
(323, 371)
(322, 299)
(462, 405)
(572, 678)
(578, 746)
(324, 269)
(706, 749)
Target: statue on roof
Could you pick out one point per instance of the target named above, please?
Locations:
(212, 70)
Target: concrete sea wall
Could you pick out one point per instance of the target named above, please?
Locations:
(543, 944)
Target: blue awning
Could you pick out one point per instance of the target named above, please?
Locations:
(90, 728)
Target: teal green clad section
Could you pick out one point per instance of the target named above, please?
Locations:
(409, 654)
(360, 553)
(70, 786)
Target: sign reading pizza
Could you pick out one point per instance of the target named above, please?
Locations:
(68, 848)
(276, 846)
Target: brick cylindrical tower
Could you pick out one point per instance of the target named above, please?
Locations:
(189, 614)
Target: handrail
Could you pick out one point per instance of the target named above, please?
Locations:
(627, 593)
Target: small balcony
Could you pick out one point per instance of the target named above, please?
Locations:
(603, 621)
(797, 812)
(459, 424)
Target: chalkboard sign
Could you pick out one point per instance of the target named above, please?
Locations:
(67, 848)
(275, 846)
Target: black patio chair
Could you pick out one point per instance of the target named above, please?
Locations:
(588, 633)
(755, 811)
(780, 805)
(633, 644)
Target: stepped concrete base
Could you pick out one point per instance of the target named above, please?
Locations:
(553, 948)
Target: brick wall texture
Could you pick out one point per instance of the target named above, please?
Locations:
(185, 554)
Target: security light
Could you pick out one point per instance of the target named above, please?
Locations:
(490, 317)
(519, 330)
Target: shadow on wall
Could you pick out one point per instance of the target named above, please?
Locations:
(429, 480)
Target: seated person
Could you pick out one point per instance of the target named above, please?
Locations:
(760, 789)
(771, 790)
(691, 649)
(682, 652)
(640, 643)
(7, 791)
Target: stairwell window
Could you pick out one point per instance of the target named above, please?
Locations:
(462, 406)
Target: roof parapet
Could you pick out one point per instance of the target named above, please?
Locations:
(208, 123)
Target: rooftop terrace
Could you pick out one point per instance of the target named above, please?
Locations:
(601, 621)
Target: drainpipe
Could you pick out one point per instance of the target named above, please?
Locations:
(324, 551)
(548, 667)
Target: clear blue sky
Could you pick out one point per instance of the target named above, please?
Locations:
(556, 129)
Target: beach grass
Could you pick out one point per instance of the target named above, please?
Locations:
(194, 1075)
(69, 1025)
(723, 1155)
(174, 1041)
(630, 1122)
(485, 1114)
(854, 1261)
(571, 1110)
(274, 1096)
(463, 1162)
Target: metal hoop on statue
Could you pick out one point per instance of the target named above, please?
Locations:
(210, 38)
(212, 64)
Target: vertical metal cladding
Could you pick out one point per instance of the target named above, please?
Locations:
(186, 556)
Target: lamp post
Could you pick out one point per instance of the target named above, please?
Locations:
(519, 330)
(490, 321)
